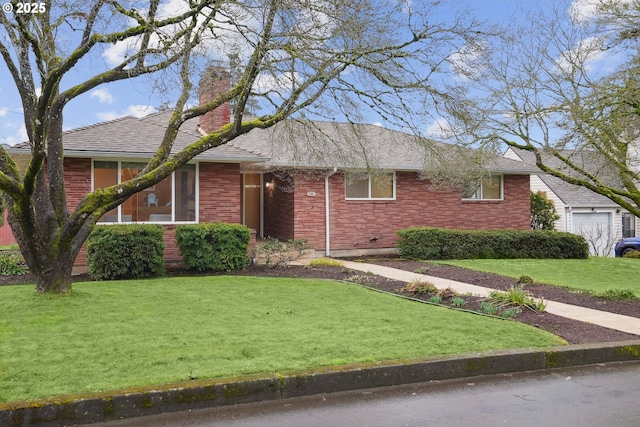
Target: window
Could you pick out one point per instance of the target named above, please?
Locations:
(628, 225)
(172, 199)
(489, 188)
(380, 186)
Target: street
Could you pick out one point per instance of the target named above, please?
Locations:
(602, 395)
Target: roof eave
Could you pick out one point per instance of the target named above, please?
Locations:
(143, 155)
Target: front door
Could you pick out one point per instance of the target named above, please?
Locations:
(251, 201)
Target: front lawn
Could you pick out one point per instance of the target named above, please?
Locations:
(110, 335)
(594, 274)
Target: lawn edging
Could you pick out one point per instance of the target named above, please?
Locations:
(118, 404)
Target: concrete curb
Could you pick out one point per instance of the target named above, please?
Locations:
(119, 404)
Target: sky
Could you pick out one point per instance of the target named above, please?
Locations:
(138, 98)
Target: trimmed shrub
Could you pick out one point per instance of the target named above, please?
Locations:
(437, 243)
(214, 246)
(131, 251)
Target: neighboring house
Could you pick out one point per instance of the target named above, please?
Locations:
(318, 190)
(581, 211)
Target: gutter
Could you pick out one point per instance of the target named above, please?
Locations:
(327, 239)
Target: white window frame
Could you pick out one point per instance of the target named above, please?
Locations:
(173, 193)
(393, 174)
(479, 188)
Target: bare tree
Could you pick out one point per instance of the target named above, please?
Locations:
(563, 87)
(328, 58)
(600, 238)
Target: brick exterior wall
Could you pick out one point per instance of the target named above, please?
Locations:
(355, 224)
(367, 224)
(220, 192)
(215, 82)
(278, 209)
(219, 189)
(77, 178)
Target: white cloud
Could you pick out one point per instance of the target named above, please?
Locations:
(441, 129)
(19, 136)
(466, 62)
(103, 96)
(117, 52)
(106, 116)
(583, 10)
(140, 110)
(586, 10)
(137, 111)
(588, 52)
(172, 8)
(3, 111)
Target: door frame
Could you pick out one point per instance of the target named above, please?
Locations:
(260, 233)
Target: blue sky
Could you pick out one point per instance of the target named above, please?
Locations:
(138, 98)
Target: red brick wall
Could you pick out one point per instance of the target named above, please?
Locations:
(219, 198)
(278, 209)
(215, 82)
(355, 223)
(77, 175)
(310, 212)
(220, 186)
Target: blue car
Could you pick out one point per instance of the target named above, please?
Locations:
(629, 244)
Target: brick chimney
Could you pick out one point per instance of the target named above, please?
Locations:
(215, 81)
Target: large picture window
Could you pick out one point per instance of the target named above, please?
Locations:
(365, 186)
(488, 188)
(171, 200)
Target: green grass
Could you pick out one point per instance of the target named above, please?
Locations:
(595, 274)
(111, 335)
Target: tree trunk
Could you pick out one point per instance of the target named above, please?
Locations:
(56, 276)
(49, 256)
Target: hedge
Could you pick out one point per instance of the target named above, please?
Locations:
(437, 243)
(128, 251)
(213, 246)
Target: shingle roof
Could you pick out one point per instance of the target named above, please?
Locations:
(572, 195)
(292, 143)
(139, 137)
(319, 144)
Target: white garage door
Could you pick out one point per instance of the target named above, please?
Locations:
(596, 228)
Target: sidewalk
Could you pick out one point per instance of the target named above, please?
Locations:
(596, 317)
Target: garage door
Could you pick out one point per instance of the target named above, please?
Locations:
(595, 227)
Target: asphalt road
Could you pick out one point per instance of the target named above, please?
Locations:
(593, 396)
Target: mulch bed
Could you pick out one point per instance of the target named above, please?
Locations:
(572, 331)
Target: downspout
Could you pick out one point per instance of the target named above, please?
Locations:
(327, 238)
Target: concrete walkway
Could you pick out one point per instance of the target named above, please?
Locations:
(601, 318)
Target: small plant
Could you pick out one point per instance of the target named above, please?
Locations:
(632, 254)
(360, 279)
(422, 270)
(435, 299)
(325, 262)
(619, 294)
(525, 280)
(448, 293)
(510, 313)
(458, 302)
(419, 287)
(275, 253)
(488, 308)
(11, 263)
(517, 297)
